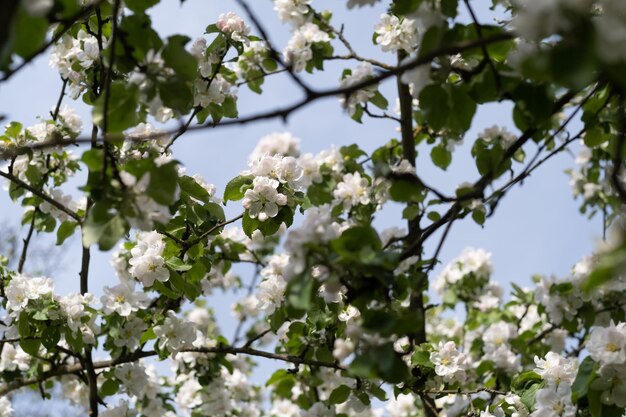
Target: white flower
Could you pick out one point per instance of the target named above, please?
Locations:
(352, 190)
(146, 263)
(498, 134)
(535, 20)
(402, 406)
(471, 261)
(130, 333)
(298, 51)
(292, 11)
(63, 199)
(453, 405)
(89, 52)
(271, 293)
(73, 306)
(554, 402)
(123, 299)
(216, 91)
(175, 334)
(504, 358)
(133, 376)
(37, 8)
(498, 334)
(289, 171)
(362, 72)
(349, 315)
(556, 369)
(395, 34)
(21, 289)
(6, 409)
(417, 78)
(145, 132)
(343, 348)
(233, 25)
(71, 120)
(14, 358)
(263, 199)
(612, 382)
(284, 408)
(606, 344)
(449, 362)
(123, 409)
(318, 409)
(361, 3)
(198, 48)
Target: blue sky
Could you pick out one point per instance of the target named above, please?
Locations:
(536, 229)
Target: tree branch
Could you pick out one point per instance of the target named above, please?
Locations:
(245, 350)
(41, 195)
(285, 111)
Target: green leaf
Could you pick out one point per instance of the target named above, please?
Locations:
(405, 190)
(340, 394)
(122, 110)
(109, 387)
(248, 224)
(147, 335)
(300, 293)
(595, 136)
(379, 101)
(237, 187)
(586, 373)
(433, 101)
(462, 110)
(356, 242)
(30, 33)
(193, 189)
(50, 337)
(403, 7)
(66, 229)
(422, 358)
(605, 269)
(30, 346)
(229, 107)
(103, 226)
(441, 156)
(595, 403)
(528, 397)
(164, 183)
(176, 94)
(140, 6)
(449, 7)
(13, 129)
(380, 362)
(178, 58)
(93, 159)
(177, 264)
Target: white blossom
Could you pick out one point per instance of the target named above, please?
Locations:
(147, 263)
(352, 190)
(123, 299)
(263, 199)
(233, 25)
(292, 11)
(607, 344)
(175, 334)
(298, 51)
(395, 33)
(449, 362)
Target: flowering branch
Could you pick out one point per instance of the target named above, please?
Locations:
(285, 111)
(42, 195)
